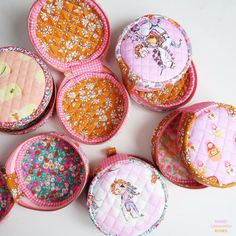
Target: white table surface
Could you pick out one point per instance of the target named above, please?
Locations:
(211, 28)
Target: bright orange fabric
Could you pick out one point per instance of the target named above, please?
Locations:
(69, 30)
(94, 107)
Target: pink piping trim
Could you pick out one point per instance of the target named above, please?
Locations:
(61, 66)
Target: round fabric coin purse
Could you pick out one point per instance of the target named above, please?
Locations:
(205, 143)
(73, 36)
(127, 196)
(154, 54)
(46, 172)
(27, 91)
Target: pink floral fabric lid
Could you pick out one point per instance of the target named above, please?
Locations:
(207, 138)
(127, 196)
(47, 172)
(156, 50)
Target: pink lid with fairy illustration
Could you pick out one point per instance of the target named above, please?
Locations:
(207, 138)
(127, 196)
(156, 49)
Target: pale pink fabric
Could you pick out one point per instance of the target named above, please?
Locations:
(27, 77)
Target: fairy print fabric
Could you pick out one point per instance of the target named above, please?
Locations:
(156, 49)
(128, 198)
(52, 169)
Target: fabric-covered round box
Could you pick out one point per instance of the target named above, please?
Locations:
(27, 91)
(127, 196)
(46, 172)
(73, 37)
(154, 54)
(200, 143)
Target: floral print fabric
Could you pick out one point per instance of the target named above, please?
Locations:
(69, 30)
(6, 200)
(169, 159)
(52, 169)
(93, 107)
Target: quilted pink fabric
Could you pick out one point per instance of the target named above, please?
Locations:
(127, 197)
(22, 86)
(212, 144)
(156, 49)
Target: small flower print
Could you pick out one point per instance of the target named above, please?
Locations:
(91, 27)
(69, 45)
(46, 177)
(45, 46)
(44, 16)
(59, 4)
(50, 8)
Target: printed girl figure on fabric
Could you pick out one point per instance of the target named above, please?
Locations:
(154, 39)
(127, 193)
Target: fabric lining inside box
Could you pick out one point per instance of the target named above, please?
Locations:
(69, 30)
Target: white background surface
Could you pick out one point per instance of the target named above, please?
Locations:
(211, 28)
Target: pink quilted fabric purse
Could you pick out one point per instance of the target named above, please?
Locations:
(196, 146)
(73, 37)
(27, 91)
(154, 54)
(127, 196)
(46, 172)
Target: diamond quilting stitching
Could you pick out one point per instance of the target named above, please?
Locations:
(129, 173)
(69, 31)
(224, 143)
(105, 114)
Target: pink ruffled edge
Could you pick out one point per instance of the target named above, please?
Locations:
(72, 81)
(162, 108)
(61, 66)
(20, 151)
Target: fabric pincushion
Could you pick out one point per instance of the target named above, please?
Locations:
(27, 91)
(154, 54)
(73, 36)
(46, 172)
(201, 141)
(127, 196)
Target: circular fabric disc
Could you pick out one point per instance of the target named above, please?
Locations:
(127, 197)
(208, 143)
